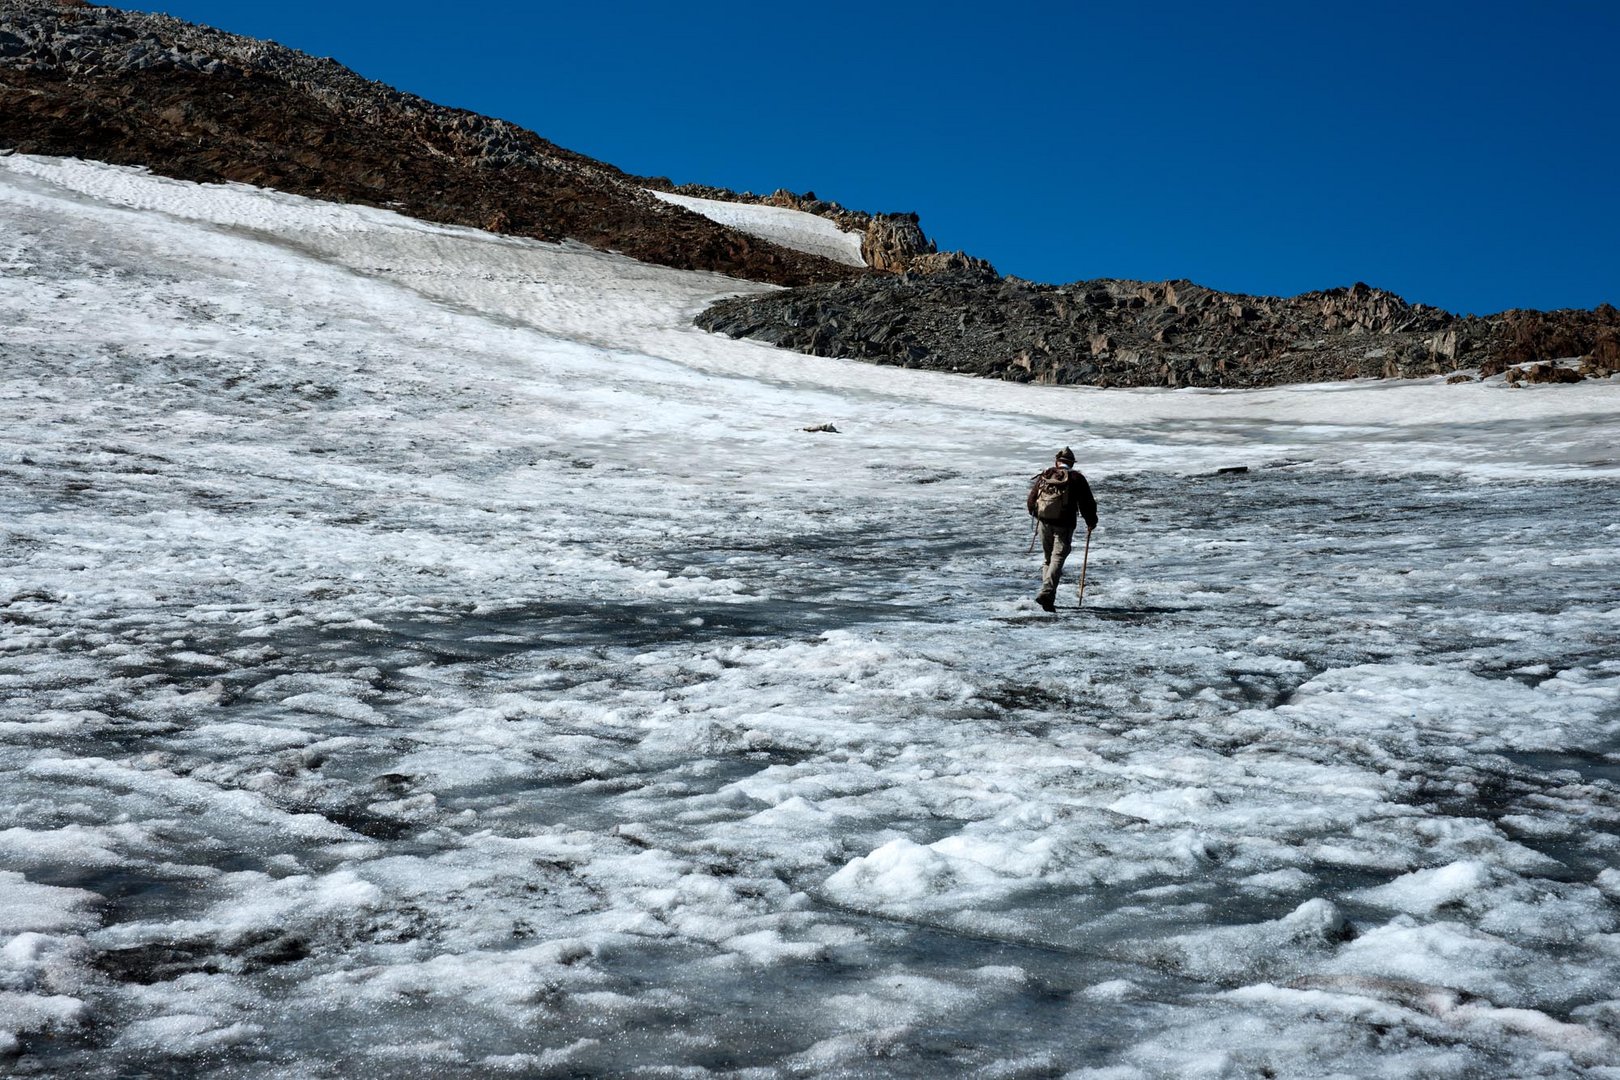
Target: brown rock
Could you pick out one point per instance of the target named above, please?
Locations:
(893, 241)
(1594, 367)
(1551, 373)
(1444, 345)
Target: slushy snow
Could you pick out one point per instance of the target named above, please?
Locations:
(423, 650)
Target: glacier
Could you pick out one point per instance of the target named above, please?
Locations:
(423, 650)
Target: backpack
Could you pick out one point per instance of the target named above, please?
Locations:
(1051, 493)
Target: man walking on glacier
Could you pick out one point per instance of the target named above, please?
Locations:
(1058, 497)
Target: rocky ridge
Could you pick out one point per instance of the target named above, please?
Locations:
(1131, 333)
(200, 104)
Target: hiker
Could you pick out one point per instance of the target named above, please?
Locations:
(1058, 497)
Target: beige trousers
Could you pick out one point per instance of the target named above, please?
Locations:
(1056, 543)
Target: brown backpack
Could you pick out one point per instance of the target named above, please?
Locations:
(1052, 493)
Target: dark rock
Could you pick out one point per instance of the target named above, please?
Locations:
(163, 961)
(1129, 333)
(1105, 332)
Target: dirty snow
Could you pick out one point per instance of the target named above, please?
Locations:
(423, 650)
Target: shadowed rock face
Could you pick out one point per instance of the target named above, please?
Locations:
(200, 104)
(1129, 333)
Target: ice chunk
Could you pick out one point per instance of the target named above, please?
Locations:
(26, 906)
(1298, 940)
(1422, 891)
(185, 1034)
(27, 1014)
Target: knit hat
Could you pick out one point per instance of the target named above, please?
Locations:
(1066, 456)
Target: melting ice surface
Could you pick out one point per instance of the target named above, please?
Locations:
(422, 651)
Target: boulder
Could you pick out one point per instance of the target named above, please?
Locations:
(1551, 373)
(1444, 345)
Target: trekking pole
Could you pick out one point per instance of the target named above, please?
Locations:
(1084, 559)
(1034, 531)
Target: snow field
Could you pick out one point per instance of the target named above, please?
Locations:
(425, 650)
(789, 228)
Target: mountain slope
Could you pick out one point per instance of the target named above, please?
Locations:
(195, 103)
(199, 104)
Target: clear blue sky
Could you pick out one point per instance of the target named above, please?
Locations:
(1460, 154)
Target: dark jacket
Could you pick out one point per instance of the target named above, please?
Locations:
(1079, 503)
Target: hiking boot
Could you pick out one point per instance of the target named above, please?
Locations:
(1046, 603)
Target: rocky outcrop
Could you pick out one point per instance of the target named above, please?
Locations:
(199, 104)
(1130, 333)
(1546, 371)
(896, 243)
(893, 243)
(1539, 335)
